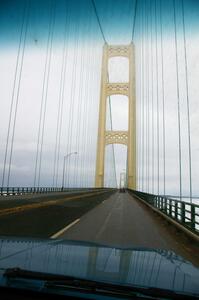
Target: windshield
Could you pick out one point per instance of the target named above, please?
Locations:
(99, 141)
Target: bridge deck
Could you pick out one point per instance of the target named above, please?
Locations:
(118, 220)
(123, 221)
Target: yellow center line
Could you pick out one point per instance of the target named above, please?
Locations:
(17, 209)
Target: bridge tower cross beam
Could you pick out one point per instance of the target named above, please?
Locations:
(127, 138)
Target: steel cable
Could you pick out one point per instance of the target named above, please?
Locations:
(60, 103)
(71, 109)
(18, 91)
(152, 108)
(157, 95)
(187, 99)
(98, 20)
(163, 102)
(42, 97)
(143, 95)
(178, 100)
(134, 19)
(13, 94)
(46, 94)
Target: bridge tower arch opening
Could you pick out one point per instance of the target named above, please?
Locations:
(126, 137)
(112, 173)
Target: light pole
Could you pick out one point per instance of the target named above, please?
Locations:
(64, 166)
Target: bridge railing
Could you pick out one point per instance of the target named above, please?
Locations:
(185, 213)
(11, 191)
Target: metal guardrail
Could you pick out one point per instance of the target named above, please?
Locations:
(185, 213)
(11, 191)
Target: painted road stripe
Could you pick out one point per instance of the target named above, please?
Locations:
(54, 236)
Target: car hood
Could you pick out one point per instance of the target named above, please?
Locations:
(133, 267)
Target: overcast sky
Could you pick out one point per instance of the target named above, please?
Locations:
(71, 89)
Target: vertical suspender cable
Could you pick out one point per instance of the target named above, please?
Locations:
(85, 125)
(111, 126)
(143, 97)
(62, 101)
(142, 81)
(60, 105)
(46, 95)
(93, 118)
(140, 106)
(18, 91)
(87, 118)
(147, 101)
(157, 94)
(71, 109)
(85, 98)
(42, 97)
(79, 109)
(163, 103)
(152, 106)
(13, 93)
(178, 100)
(188, 105)
(113, 150)
(86, 130)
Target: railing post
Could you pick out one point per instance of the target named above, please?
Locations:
(193, 224)
(183, 212)
(155, 201)
(170, 207)
(165, 205)
(176, 210)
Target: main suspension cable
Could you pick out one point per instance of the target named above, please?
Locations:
(134, 19)
(98, 20)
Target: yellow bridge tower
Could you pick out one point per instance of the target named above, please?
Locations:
(128, 137)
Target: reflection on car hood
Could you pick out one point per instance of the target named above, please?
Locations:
(139, 266)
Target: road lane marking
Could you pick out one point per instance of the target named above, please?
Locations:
(17, 209)
(54, 236)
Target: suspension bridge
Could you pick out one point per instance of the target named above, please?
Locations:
(60, 162)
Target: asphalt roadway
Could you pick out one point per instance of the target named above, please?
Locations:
(108, 218)
(42, 215)
(123, 221)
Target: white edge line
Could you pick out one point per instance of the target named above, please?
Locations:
(54, 236)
